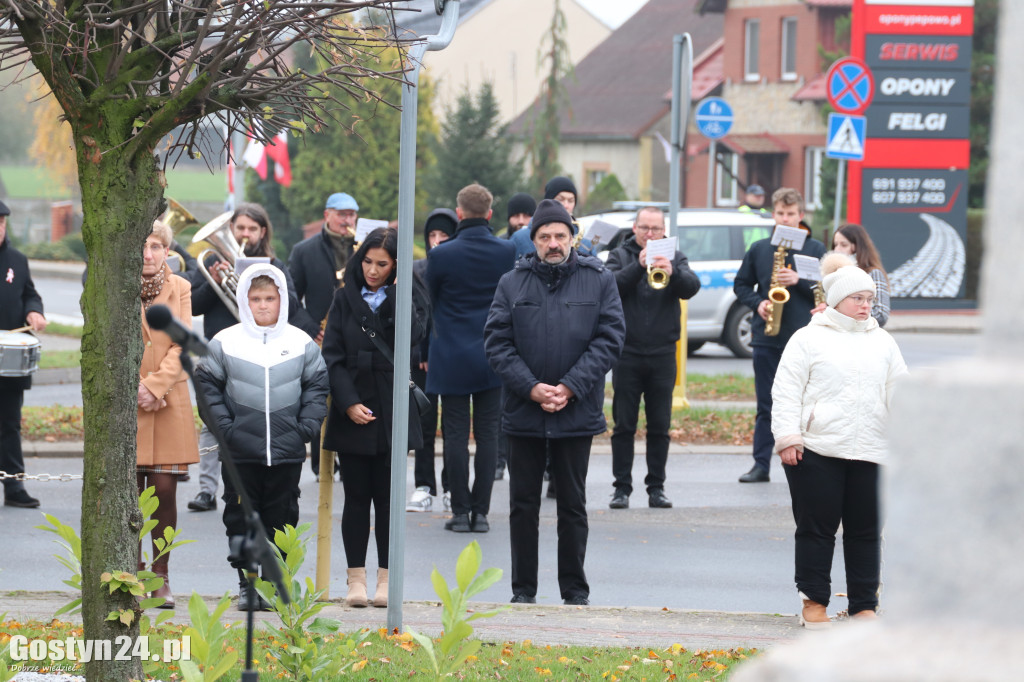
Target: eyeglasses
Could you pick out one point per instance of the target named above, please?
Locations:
(862, 300)
(644, 229)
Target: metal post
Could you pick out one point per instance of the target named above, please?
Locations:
(682, 76)
(712, 162)
(840, 178)
(239, 141)
(403, 303)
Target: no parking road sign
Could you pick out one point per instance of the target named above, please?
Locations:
(714, 117)
(849, 85)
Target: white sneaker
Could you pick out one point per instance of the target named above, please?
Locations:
(446, 500)
(420, 500)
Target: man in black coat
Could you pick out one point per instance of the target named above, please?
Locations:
(554, 330)
(753, 280)
(647, 367)
(20, 304)
(462, 274)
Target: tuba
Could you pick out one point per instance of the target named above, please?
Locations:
(217, 233)
(177, 217)
(777, 294)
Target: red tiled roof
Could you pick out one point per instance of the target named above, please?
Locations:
(813, 90)
(756, 143)
(619, 88)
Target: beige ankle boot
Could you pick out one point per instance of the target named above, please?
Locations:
(356, 587)
(814, 616)
(380, 598)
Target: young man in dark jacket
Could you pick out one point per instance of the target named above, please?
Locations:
(462, 274)
(753, 280)
(648, 364)
(266, 387)
(554, 330)
(19, 304)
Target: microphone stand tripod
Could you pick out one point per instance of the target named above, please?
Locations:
(253, 549)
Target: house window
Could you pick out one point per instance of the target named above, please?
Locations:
(752, 47)
(813, 158)
(789, 49)
(727, 189)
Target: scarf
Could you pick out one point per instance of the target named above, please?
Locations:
(151, 287)
(341, 245)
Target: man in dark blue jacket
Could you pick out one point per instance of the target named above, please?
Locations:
(462, 274)
(554, 330)
(756, 271)
(648, 364)
(19, 304)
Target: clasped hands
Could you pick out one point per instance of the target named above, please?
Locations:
(149, 402)
(551, 398)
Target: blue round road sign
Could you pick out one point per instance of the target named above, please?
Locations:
(849, 85)
(714, 117)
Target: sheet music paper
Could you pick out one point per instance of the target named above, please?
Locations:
(248, 261)
(365, 226)
(807, 267)
(660, 247)
(600, 232)
(790, 237)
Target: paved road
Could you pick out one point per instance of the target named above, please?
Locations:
(725, 546)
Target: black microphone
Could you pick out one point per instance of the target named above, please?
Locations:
(160, 318)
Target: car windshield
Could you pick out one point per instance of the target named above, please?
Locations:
(705, 243)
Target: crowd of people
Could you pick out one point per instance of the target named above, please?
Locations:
(514, 330)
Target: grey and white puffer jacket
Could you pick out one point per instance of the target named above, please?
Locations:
(833, 388)
(266, 386)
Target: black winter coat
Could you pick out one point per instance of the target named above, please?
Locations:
(555, 324)
(756, 270)
(18, 298)
(312, 268)
(359, 372)
(652, 315)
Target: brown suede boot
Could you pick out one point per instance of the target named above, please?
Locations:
(356, 588)
(164, 591)
(814, 616)
(380, 598)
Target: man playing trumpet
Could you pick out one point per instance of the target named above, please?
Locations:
(647, 367)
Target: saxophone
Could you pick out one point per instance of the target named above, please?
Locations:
(777, 294)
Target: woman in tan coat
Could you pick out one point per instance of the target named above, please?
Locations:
(166, 440)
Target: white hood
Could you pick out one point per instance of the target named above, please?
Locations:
(242, 299)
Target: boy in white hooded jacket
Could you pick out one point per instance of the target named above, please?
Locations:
(830, 410)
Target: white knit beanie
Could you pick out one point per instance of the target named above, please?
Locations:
(846, 280)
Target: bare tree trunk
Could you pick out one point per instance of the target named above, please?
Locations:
(120, 199)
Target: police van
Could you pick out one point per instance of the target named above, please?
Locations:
(713, 241)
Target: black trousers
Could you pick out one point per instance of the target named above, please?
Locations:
(766, 363)
(274, 492)
(825, 492)
(455, 421)
(424, 458)
(12, 397)
(652, 377)
(367, 480)
(570, 458)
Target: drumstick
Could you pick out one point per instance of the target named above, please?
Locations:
(22, 329)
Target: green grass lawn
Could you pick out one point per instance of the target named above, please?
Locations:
(29, 182)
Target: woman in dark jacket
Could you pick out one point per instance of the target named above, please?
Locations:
(359, 421)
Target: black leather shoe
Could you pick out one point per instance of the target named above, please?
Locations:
(755, 475)
(479, 524)
(203, 502)
(20, 498)
(576, 601)
(620, 500)
(657, 499)
(523, 599)
(243, 598)
(458, 523)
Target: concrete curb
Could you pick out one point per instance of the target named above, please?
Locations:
(544, 625)
(57, 269)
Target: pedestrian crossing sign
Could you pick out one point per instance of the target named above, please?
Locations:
(846, 135)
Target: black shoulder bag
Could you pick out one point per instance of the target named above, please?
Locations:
(417, 398)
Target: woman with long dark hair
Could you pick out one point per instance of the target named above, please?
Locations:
(853, 240)
(358, 347)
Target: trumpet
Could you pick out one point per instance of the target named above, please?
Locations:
(657, 278)
(217, 233)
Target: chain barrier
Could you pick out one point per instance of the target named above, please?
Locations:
(4, 476)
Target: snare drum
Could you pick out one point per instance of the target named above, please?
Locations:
(19, 354)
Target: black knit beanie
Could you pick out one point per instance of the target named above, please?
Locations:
(550, 211)
(443, 219)
(521, 203)
(559, 184)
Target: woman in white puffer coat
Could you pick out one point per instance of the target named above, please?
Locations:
(830, 409)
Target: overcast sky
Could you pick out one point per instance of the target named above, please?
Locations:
(612, 12)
